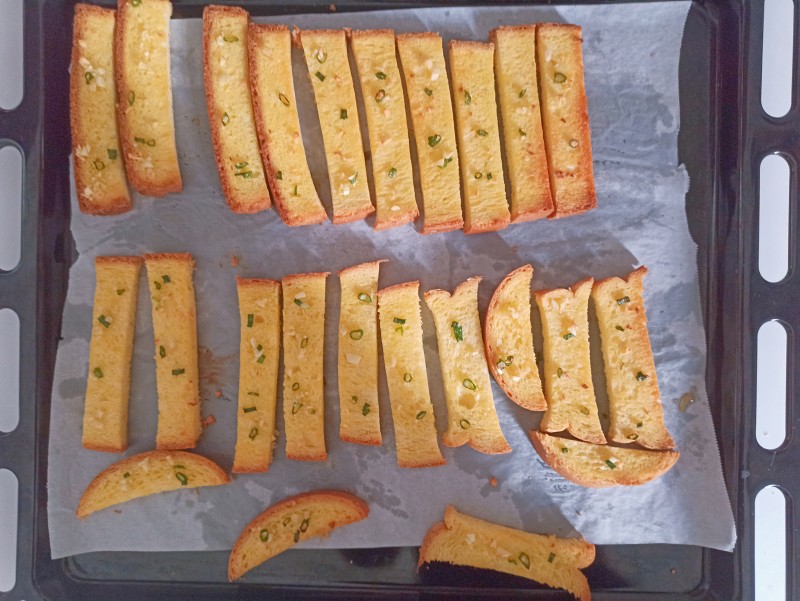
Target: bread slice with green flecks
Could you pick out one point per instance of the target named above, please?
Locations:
(599, 466)
(259, 354)
(469, 541)
(226, 73)
(471, 414)
(147, 474)
(288, 522)
(633, 396)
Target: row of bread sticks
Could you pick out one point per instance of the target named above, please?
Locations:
(291, 314)
(255, 126)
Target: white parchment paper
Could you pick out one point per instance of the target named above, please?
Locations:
(631, 57)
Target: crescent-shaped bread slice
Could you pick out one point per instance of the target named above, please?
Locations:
(509, 341)
(147, 474)
(599, 466)
(464, 540)
(283, 525)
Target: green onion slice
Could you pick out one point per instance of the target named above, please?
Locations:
(469, 384)
(458, 331)
(356, 334)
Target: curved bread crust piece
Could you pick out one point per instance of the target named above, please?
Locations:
(175, 331)
(358, 355)
(567, 366)
(565, 117)
(329, 69)
(633, 395)
(278, 125)
(105, 416)
(465, 540)
(303, 350)
(260, 318)
(422, 60)
(147, 474)
(376, 60)
(407, 376)
(518, 93)
(589, 464)
(471, 414)
(230, 112)
(144, 90)
(509, 341)
(485, 203)
(96, 155)
(293, 520)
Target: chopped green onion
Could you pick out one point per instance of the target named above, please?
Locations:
(126, 475)
(131, 98)
(120, 291)
(304, 342)
(151, 142)
(166, 279)
(640, 376)
(478, 175)
(261, 359)
(112, 153)
(458, 331)
(467, 98)
(620, 328)
(429, 92)
(399, 320)
(283, 99)
(297, 536)
(482, 132)
(464, 423)
(559, 77)
(551, 557)
(296, 406)
(320, 76)
(136, 2)
(356, 334)
(298, 302)
(98, 373)
(352, 179)
(469, 384)
(421, 414)
(573, 143)
(304, 524)
(139, 140)
(241, 165)
(611, 464)
(162, 351)
(489, 175)
(365, 409)
(522, 92)
(639, 424)
(569, 336)
(264, 535)
(178, 372)
(525, 560)
(392, 172)
(633, 436)
(99, 165)
(253, 434)
(623, 300)
(434, 140)
(380, 95)
(522, 132)
(584, 410)
(279, 175)
(225, 119)
(244, 174)
(89, 76)
(259, 348)
(407, 377)
(559, 372)
(230, 38)
(103, 321)
(182, 478)
(250, 318)
(380, 75)
(294, 192)
(322, 56)
(354, 398)
(287, 521)
(445, 162)
(564, 450)
(296, 386)
(157, 284)
(343, 114)
(252, 394)
(248, 409)
(364, 297)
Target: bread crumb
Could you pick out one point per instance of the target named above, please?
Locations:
(234, 261)
(208, 421)
(218, 393)
(492, 481)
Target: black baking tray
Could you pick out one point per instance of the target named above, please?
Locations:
(724, 134)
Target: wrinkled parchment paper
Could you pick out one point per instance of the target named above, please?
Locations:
(631, 56)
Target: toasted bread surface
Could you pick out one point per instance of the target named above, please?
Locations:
(359, 410)
(259, 354)
(471, 414)
(518, 95)
(590, 464)
(226, 73)
(96, 153)
(147, 474)
(509, 341)
(407, 376)
(288, 522)
(482, 179)
(465, 540)
(303, 354)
